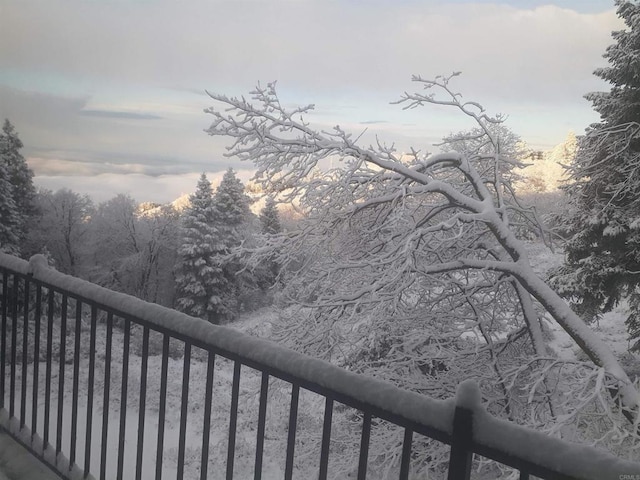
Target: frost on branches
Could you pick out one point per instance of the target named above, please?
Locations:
(410, 266)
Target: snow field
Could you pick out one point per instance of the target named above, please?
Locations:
(345, 428)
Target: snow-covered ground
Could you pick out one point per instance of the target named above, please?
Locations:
(16, 463)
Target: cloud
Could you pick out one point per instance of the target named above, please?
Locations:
(118, 87)
(373, 122)
(60, 137)
(313, 46)
(123, 115)
(144, 188)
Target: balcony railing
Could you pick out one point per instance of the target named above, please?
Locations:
(75, 395)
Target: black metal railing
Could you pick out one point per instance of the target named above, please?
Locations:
(76, 391)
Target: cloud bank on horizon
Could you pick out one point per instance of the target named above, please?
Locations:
(108, 97)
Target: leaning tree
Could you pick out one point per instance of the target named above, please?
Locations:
(429, 244)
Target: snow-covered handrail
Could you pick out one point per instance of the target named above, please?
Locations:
(435, 414)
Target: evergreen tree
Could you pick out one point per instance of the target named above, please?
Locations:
(603, 256)
(269, 218)
(270, 221)
(232, 213)
(19, 175)
(9, 216)
(199, 280)
(232, 207)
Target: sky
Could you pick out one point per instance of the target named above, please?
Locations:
(108, 96)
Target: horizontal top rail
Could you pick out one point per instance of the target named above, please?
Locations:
(493, 438)
(537, 452)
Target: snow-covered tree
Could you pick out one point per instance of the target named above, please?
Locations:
(136, 250)
(269, 217)
(63, 227)
(603, 255)
(431, 240)
(160, 231)
(201, 287)
(232, 206)
(10, 219)
(549, 173)
(270, 225)
(19, 175)
(232, 215)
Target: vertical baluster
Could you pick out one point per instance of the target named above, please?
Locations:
(262, 417)
(406, 454)
(326, 438)
(48, 368)
(233, 419)
(61, 368)
(14, 347)
(183, 408)
(3, 335)
(143, 400)
(25, 350)
(291, 440)
(105, 402)
(364, 446)
(36, 362)
(123, 397)
(76, 375)
(164, 372)
(206, 425)
(90, 388)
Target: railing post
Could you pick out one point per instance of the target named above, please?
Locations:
(461, 456)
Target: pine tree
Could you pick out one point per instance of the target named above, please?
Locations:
(603, 257)
(270, 221)
(232, 213)
(232, 206)
(269, 218)
(9, 216)
(199, 279)
(19, 175)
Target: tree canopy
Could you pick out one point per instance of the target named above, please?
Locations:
(401, 259)
(19, 191)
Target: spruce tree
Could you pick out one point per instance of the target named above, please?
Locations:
(10, 219)
(232, 213)
(269, 218)
(603, 255)
(20, 176)
(199, 279)
(232, 206)
(270, 222)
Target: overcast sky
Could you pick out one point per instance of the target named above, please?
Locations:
(108, 96)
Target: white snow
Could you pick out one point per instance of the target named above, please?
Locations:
(468, 395)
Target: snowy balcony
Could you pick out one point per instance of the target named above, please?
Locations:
(97, 384)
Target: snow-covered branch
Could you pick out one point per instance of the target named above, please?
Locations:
(386, 236)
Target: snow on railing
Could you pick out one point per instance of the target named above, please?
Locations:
(62, 319)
